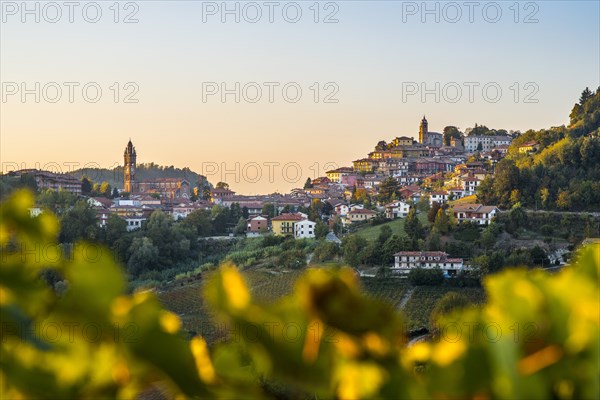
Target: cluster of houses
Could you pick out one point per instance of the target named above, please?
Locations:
(287, 224)
(423, 169)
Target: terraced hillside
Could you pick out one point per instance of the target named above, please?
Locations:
(185, 300)
(423, 300)
(416, 303)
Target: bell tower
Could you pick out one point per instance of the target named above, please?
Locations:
(423, 131)
(129, 182)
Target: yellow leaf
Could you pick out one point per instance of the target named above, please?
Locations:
(170, 322)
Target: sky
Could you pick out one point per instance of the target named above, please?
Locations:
(266, 94)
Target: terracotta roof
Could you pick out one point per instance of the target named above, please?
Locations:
(103, 200)
(466, 207)
(341, 169)
(288, 217)
(530, 143)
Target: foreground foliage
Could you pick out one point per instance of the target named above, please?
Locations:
(537, 337)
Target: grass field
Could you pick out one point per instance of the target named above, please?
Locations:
(372, 232)
(465, 200)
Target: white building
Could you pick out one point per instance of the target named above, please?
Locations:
(487, 142)
(480, 214)
(304, 229)
(134, 223)
(397, 209)
(341, 209)
(405, 261)
(440, 197)
(470, 185)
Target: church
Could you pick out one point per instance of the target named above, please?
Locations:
(432, 139)
(170, 188)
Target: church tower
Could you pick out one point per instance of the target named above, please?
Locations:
(423, 131)
(129, 184)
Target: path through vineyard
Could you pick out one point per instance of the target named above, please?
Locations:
(405, 298)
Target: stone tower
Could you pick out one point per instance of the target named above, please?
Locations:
(423, 131)
(129, 182)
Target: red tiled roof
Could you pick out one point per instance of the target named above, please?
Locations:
(528, 144)
(288, 217)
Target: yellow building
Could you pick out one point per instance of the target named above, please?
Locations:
(336, 174)
(402, 141)
(360, 215)
(364, 165)
(528, 147)
(283, 224)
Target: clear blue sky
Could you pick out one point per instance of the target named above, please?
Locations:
(374, 51)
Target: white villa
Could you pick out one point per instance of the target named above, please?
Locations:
(480, 214)
(405, 261)
(397, 209)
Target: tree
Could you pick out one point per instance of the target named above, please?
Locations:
(321, 230)
(538, 256)
(451, 132)
(143, 256)
(200, 220)
(222, 185)
(435, 243)
(354, 249)
(79, 223)
(86, 185)
(387, 190)
(105, 189)
(361, 196)
(381, 145)
(488, 236)
(412, 225)
(506, 178)
(432, 213)
(116, 228)
(563, 200)
(241, 226)
(308, 184)
(442, 223)
(385, 232)
(326, 251)
(115, 193)
(585, 95)
(423, 204)
(426, 277)
(485, 191)
(268, 209)
(515, 197)
(327, 208)
(544, 196)
(393, 245)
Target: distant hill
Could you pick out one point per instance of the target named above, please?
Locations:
(144, 172)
